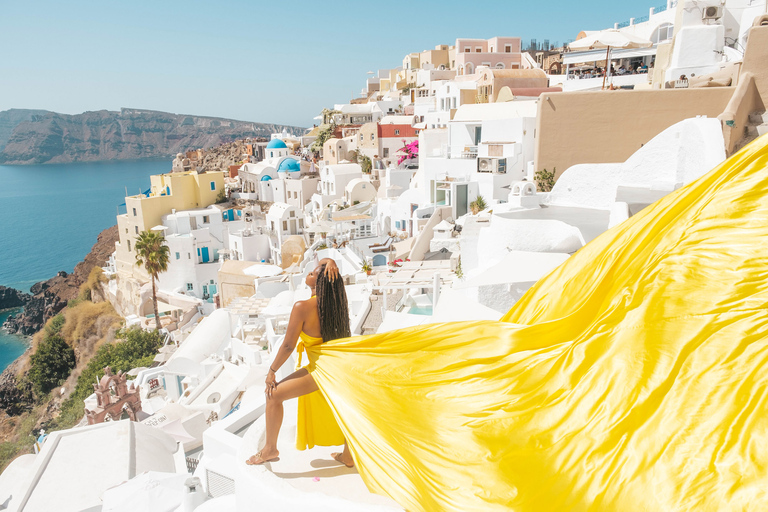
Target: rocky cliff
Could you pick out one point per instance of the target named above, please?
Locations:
(10, 119)
(12, 298)
(125, 135)
(51, 296)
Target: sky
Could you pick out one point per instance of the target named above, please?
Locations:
(274, 62)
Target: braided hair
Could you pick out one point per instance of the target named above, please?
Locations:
(332, 307)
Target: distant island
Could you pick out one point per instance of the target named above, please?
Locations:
(41, 137)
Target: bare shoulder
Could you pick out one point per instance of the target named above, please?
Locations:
(304, 306)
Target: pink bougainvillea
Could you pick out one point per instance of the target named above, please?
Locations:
(409, 151)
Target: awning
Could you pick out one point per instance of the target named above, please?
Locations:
(595, 55)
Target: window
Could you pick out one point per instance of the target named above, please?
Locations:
(361, 137)
(136, 228)
(134, 212)
(301, 223)
(291, 213)
(478, 49)
(190, 287)
(189, 255)
(397, 132)
(206, 218)
(466, 50)
(371, 136)
(285, 225)
(129, 245)
(508, 48)
(126, 231)
(386, 152)
(178, 256)
(212, 281)
(213, 185)
(663, 33)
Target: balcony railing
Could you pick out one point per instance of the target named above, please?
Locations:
(461, 151)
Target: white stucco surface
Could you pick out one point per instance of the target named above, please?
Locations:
(76, 466)
(308, 480)
(678, 155)
(531, 235)
(212, 332)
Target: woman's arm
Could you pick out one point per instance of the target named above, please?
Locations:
(331, 269)
(295, 324)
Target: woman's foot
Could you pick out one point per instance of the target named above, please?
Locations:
(344, 458)
(261, 458)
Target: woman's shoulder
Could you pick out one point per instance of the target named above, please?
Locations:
(305, 305)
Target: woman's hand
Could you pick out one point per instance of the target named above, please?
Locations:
(271, 382)
(331, 270)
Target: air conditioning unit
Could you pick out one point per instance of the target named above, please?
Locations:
(712, 12)
(497, 165)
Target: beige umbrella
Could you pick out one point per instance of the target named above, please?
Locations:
(320, 227)
(611, 38)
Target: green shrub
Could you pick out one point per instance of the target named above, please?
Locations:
(545, 180)
(54, 325)
(133, 348)
(50, 364)
(365, 164)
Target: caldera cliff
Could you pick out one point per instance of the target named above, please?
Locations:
(125, 135)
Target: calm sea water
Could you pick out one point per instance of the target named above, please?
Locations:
(50, 216)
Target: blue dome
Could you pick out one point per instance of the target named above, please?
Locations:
(289, 165)
(276, 144)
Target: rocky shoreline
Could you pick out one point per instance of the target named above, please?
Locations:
(15, 399)
(51, 296)
(12, 298)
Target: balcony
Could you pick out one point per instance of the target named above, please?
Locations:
(469, 152)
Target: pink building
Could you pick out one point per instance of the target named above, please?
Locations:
(497, 52)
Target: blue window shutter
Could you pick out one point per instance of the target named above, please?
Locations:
(213, 185)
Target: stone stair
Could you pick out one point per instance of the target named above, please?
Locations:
(756, 126)
(374, 318)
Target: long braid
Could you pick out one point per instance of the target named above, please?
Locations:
(332, 307)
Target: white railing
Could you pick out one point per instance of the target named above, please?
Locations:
(461, 151)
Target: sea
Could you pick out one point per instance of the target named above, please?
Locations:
(50, 216)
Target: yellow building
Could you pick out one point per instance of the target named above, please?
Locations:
(175, 191)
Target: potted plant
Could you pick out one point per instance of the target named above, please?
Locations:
(367, 268)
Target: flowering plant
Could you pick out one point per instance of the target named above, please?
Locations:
(409, 151)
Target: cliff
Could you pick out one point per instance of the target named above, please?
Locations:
(126, 135)
(51, 296)
(12, 298)
(10, 119)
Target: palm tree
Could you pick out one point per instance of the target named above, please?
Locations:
(153, 255)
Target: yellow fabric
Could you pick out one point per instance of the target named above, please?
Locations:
(315, 425)
(634, 376)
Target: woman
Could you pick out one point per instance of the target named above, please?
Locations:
(323, 317)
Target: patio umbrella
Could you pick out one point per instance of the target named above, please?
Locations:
(608, 39)
(320, 227)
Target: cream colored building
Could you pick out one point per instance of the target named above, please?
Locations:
(168, 192)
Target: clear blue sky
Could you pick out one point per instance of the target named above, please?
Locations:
(278, 62)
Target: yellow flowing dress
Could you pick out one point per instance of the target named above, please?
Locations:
(634, 377)
(315, 424)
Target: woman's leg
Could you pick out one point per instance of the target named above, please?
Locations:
(344, 457)
(297, 384)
